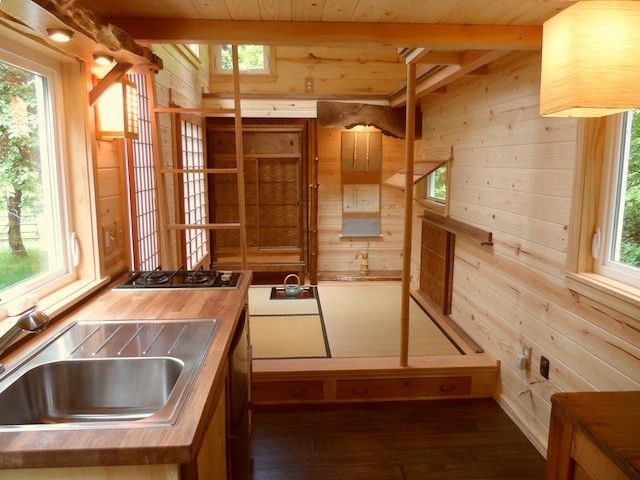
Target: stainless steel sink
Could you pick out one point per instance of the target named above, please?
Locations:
(96, 373)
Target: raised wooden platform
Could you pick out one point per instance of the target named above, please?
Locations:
(373, 379)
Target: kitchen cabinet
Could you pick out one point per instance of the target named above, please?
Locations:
(594, 436)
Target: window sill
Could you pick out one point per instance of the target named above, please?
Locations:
(60, 301)
(435, 207)
(606, 291)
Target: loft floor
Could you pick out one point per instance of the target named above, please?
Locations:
(433, 440)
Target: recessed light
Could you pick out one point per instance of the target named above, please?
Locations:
(103, 59)
(61, 35)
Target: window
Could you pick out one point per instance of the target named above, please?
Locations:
(142, 186)
(35, 256)
(252, 59)
(194, 192)
(620, 220)
(436, 184)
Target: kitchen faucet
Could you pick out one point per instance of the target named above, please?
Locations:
(32, 322)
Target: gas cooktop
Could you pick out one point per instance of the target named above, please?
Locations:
(181, 278)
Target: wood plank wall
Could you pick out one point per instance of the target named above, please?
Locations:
(112, 204)
(334, 70)
(181, 83)
(335, 254)
(512, 174)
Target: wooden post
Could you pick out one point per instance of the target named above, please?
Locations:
(239, 158)
(408, 213)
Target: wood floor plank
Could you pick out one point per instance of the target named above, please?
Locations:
(432, 440)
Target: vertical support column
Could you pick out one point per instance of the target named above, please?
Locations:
(239, 158)
(408, 212)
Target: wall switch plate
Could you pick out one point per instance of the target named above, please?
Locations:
(544, 367)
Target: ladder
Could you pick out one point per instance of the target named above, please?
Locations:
(160, 171)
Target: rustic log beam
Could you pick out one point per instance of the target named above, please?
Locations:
(471, 61)
(432, 36)
(114, 75)
(95, 35)
(390, 120)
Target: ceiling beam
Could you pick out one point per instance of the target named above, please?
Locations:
(424, 55)
(432, 36)
(92, 35)
(471, 61)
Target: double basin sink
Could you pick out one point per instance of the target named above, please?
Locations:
(107, 373)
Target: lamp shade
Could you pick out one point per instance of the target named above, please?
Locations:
(590, 60)
(117, 112)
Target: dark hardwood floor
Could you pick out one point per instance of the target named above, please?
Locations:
(435, 440)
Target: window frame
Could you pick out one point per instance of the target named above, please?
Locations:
(48, 282)
(267, 72)
(430, 182)
(597, 144)
(617, 148)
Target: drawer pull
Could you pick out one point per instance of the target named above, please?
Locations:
(447, 387)
(360, 390)
(298, 392)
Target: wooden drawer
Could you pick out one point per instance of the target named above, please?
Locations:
(402, 388)
(287, 391)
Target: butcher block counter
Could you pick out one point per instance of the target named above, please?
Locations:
(147, 452)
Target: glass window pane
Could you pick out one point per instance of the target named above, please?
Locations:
(437, 184)
(30, 220)
(250, 58)
(626, 247)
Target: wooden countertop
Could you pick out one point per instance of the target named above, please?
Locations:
(611, 420)
(177, 443)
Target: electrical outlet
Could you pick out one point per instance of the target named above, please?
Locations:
(109, 238)
(544, 367)
(524, 359)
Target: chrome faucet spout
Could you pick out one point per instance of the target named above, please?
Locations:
(32, 322)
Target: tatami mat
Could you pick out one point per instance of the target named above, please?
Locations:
(363, 320)
(260, 303)
(287, 336)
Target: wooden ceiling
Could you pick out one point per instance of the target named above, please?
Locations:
(483, 12)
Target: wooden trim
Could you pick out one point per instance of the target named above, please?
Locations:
(313, 202)
(195, 111)
(587, 186)
(437, 36)
(617, 295)
(459, 228)
(178, 187)
(163, 216)
(204, 226)
(449, 327)
(200, 170)
(408, 214)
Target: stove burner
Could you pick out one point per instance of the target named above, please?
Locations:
(197, 278)
(156, 277)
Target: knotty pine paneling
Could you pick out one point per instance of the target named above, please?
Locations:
(512, 174)
(335, 254)
(111, 203)
(335, 70)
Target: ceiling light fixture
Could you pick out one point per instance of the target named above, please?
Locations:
(60, 35)
(103, 59)
(590, 60)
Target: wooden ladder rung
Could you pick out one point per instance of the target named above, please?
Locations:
(200, 170)
(200, 111)
(204, 226)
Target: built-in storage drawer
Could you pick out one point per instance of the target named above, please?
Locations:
(287, 391)
(402, 388)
